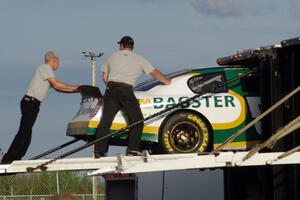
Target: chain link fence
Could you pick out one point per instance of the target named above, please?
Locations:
(39, 186)
(46, 197)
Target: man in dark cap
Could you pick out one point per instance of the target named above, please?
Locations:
(120, 73)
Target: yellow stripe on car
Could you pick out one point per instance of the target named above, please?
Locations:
(239, 120)
(238, 145)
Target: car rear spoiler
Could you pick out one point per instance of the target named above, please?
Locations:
(90, 91)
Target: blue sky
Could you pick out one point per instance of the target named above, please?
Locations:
(171, 34)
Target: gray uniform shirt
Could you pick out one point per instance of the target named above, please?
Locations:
(39, 85)
(126, 66)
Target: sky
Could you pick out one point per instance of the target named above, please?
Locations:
(171, 34)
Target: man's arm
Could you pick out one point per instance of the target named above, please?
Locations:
(159, 76)
(105, 77)
(62, 87)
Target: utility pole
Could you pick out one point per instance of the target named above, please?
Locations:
(93, 56)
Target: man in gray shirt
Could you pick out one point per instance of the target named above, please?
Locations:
(37, 91)
(119, 74)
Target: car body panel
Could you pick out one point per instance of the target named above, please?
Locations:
(226, 111)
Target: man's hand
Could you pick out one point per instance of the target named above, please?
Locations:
(159, 76)
(105, 77)
(77, 89)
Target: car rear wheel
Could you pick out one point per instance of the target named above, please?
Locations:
(185, 132)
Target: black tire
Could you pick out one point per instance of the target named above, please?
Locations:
(185, 132)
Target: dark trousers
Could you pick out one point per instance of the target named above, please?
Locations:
(119, 97)
(29, 109)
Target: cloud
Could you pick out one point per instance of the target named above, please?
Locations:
(221, 8)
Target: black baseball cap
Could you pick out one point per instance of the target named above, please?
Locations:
(126, 40)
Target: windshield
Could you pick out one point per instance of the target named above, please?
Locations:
(148, 84)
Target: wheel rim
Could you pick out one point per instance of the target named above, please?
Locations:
(185, 137)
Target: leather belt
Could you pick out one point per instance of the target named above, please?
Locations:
(31, 99)
(114, 83)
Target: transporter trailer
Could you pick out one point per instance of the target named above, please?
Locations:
(276, 146)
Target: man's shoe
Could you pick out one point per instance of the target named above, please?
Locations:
(5, 162)
(4, 159)
(134, 153)
(1, 155)
(99, 154)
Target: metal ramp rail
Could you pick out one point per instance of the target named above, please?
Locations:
(151, 163)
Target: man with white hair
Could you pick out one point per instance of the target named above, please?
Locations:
(37, 91)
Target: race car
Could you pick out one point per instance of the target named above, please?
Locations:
(196, 126)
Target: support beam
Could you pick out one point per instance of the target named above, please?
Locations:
(154, 163)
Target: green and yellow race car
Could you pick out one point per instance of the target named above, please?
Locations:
(197, 126)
